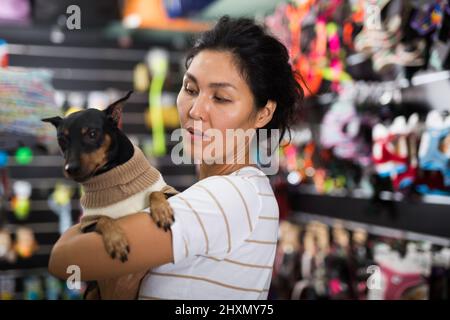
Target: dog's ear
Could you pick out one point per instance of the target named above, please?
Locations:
(114, 110)
(56, 121)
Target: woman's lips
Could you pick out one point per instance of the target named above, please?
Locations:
(196, 134)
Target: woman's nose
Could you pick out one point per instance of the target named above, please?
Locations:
(198, 109)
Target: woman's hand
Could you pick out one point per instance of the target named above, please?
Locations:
(123, 288)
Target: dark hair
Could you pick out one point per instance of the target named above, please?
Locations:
(263, 62)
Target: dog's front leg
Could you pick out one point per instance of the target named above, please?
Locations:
(160, 210)
(88, 223)
(114, 239)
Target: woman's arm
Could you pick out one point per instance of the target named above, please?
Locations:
(211, 218)
(150, 246)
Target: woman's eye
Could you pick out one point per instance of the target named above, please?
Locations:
(220, 99)
(189, 90)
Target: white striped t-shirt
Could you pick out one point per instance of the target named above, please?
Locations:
(224, 240)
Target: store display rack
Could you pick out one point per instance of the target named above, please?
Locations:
(428, 215)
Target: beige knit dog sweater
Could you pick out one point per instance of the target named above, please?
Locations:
(124, 189)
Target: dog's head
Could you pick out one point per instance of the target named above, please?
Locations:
(85, 138)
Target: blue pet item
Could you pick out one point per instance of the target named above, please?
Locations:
(72, 294)
(3, 159)
(3, 54)
(406, 182)
(396, 169)
(33, 288)
(432, 158)
(53, 288)
(424, 189)
(184, 8)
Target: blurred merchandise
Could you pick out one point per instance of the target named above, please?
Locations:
(3, 54)
(74, 294)
(26, 244)
(169, 112)
(6, 247)
(141, 77)
(3, 159)
(14, 12)
(20, 203)
(26, 96)
(60, 203)
(158, 64)
(345, 261)
(183, 8)
(434, 153)
(53, 288)
(7, 287)
(363, 186)
(33, 288)
(24, 155)
(153, 14)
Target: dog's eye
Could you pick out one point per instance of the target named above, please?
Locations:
(92, 134)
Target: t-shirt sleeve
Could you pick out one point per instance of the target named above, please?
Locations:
(214, 216)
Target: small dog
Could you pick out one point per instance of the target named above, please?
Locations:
(93, 144)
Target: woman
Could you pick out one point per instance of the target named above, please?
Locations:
(222, 243)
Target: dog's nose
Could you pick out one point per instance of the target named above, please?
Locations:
(72, 168)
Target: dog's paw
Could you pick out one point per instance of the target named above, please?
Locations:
(162, 214)
(114, 239)
(117, 246)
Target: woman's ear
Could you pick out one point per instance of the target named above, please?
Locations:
(265, 114)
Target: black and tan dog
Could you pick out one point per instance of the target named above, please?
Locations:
(94, 147)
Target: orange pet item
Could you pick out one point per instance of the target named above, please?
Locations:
(152, 14)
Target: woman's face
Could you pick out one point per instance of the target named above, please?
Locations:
(214, 97)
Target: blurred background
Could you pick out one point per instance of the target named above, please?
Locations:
(364, 182)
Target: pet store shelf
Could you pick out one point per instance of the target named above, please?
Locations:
(92, 36)
(429, 217)
(87, 60)
(303, 218)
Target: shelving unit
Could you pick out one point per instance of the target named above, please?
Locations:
(429, 217)
(86, 61)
